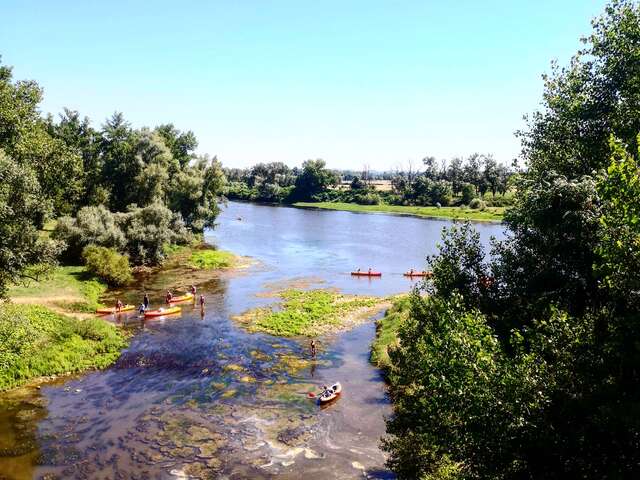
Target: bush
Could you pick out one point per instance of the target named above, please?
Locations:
(35, 341)
(107, 264)
(468, 193)
(477, 204)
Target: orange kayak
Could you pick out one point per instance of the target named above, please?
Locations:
(418, 274)
(125, 308)
(183, 298)
(366, 274)
(161, 311)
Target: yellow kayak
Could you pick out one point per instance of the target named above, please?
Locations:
(125, 308)
(162, 311)
(183, 298)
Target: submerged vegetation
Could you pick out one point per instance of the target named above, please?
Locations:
(310, 313)
(35, 342)
(459, 213)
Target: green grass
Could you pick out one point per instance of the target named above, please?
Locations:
(387, 332)
(306, 312)
(211, 259)
(35, 342)
(493, 214)
(69, 287)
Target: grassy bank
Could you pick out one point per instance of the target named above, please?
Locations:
(36, 342)
(490, 214)
(311, 313)
(387, 330)
(199, 256)
(69, 289)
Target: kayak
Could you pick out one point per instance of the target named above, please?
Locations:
(331, 394)
(183, 298)
(418, 274)
(125, 308)
(366, 274)
(162, 311)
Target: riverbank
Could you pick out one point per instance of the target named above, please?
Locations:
(37, 342)
(489, 214)
(387, 332)
(311, 313)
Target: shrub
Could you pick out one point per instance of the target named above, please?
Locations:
(468, 193)
(107, 264)
(35, 341)
(477, 204)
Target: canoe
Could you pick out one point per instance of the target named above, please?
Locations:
(162, 311)
(125, 308)
(418, 274)
(184, 298)
(366, 274)
(331, 394)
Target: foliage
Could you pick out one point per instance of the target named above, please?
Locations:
(21, 211)
(313, 180)
(107, 264)
(619, 247)
(211, 259)
(142, 233)
(477, 204)
(528, 367)
(36, 342)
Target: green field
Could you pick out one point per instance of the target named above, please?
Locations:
(36, 342)
(68, 288)
(489, 214)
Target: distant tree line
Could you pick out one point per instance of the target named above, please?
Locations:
(457, 182)
(115, 186)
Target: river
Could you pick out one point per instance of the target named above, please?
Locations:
(196, 396)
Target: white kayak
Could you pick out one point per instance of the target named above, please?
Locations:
(331, 393)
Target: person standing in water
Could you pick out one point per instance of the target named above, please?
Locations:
(168, 297)
(145, 301)
(119, 305)
(202, 302)
(313, 348)
(193, 290)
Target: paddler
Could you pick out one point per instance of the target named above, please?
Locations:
(145, 300)
(193, 290)
(168, 297)
(119, 305)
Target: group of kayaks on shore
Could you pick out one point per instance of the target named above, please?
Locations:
(410, 273)
(144, 309)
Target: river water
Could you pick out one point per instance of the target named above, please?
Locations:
(196, 396)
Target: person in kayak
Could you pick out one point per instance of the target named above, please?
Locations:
(369, 270)
(145, 300)
(168, 297)
(119, 305)
(193, 290)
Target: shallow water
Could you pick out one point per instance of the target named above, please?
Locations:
(196, 396)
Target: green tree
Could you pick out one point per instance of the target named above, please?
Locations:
(314, 179)
(23, 252)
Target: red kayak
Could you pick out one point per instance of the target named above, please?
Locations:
(366, 274)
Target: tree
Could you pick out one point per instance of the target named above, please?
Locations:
(314, 179)
(23, 252)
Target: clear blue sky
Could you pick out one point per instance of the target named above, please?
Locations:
(352, 82)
